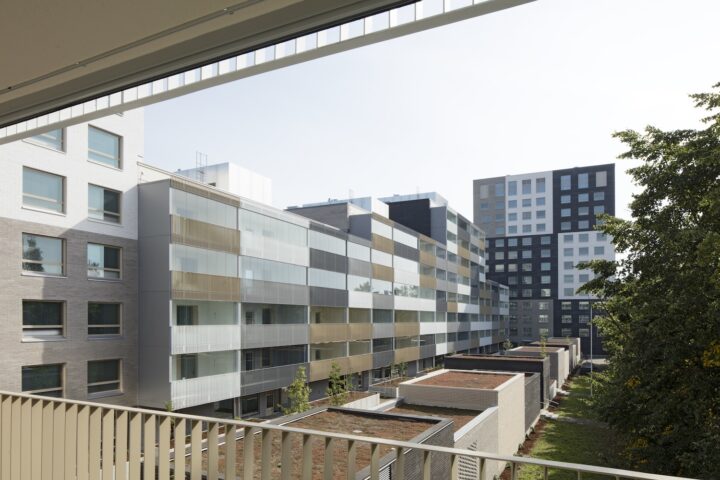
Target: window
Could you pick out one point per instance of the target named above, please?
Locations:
(545, 279)
(484, 191)
(583, 278)
(103, 204)
(583, 251)
(527, 242)
(566, 318)
(512, 203)
(512, 255)
(543, 306)
(527, 280)
(527, 202)
(599, 196)
(540, 214)
(540, 227)
(499, 267)
(188, 315)
(583, 197)
(104, 147)
(526, 187)
(583, 305)
(512, 188)
(484, 206)
(565, 182)
(599, 250)
(512, 217)
(512, 242)
(499, 230)
(583, 224)
(583, 180)
(567, 332)
(566, 305)
(568, 278)
(567, 252)
(499, 217)
(54, 139)
(527, 254)
(512, 267)
(43, 190)
(42, 319)
(546, 240)
(44, 255)
(499, 189)
(44, 380)
(512, 281)
(598, 209)
(601, 179)
(526, 228)
(568, 292)
(545, 266)
(565, 212)
(540, 201)
(582, 211)
(526, 215)
(499, 205)
(545, 292)
(499, 255)
(103, 261)
(527, 292)
(500, 242)
(545, 253)
(568, 265)
(564, 199)
(104, 318)
(542, 318)
(540, 185)
(583, 238)
(527, 267)
(512, 229)
(584, 332)
(103, 376)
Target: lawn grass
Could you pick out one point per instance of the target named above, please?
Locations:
(592, 443)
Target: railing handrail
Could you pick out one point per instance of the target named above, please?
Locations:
(614, 472)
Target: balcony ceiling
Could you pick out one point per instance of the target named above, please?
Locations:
(59, 53)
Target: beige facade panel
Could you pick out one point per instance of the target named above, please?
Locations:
(204, 235)
(360, 331)
(198, 286)
(463, 252)
(339, 332)
(381, 272)
(452, 307)
(383, 244)
(320, 369)
(464, 271)
(407, 354)
(427, 258)
(407, 329)
(360, 363)
(427, 281)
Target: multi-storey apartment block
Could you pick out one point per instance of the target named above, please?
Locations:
(68, 243)
(540, 226)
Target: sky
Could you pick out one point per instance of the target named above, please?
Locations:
(537, 87)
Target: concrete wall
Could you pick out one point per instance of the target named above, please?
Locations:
(533, 399)
(479, 435)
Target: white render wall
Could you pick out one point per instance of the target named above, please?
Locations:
(571, 240)
(533, 208)
(234, 179)
(73, 164)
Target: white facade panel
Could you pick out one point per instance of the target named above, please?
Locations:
(204, 338)
(360, 299)
(253, 245)
(417, 304)
(574, 248)
(432, 327)
(407, 278)
(529, 213)
(441, 349)
(201, 390)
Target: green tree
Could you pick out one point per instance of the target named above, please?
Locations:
(337, 388)
(507, 345)
(298, 393)
(660, 302)
(543, 345)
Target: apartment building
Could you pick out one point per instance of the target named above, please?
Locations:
(68, 244)
(540, 226)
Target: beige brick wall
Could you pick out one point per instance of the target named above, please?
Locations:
(76, 290)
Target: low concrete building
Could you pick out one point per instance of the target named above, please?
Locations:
(559, 360)
(476, 391)
(508, 363)
(572, 345)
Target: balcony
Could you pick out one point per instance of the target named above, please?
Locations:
(264, 379)
(407, 329)
(43, 437)
(407, 354)
(339, 332)
(205, 338)
(197, 391)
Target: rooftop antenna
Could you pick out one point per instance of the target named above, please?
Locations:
(201, 163)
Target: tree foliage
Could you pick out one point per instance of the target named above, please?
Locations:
(298, 393)
(661, 301)
(337, 390)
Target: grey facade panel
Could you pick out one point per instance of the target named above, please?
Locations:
(259, 291)
(384, 302)
(335, 215)
(264, 379)
(383, 359)
(328, 297)
(361, 226)
(328, 261)
(383, 330)
(359, 268)
(275, 335)
(406, 252)
(533, 399)
(489, 212)
(427, 351)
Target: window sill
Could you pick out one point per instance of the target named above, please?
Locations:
(42, 210)
(42, 340)
(119, 169)
(108, 280)
(41, 275)
(103, 222)
(94, 338)
(111, 393)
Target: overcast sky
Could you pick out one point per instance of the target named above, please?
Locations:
(537, 87)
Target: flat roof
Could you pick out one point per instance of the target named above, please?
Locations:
(552, 348)
(502, 358)
(466, 379)
(459, 417)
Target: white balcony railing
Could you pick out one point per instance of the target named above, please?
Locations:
(197, 391)
(43, 437)
(205, 338)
